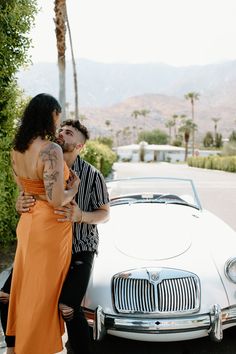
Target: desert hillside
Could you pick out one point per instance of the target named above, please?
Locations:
(161, 109)
(111, 92)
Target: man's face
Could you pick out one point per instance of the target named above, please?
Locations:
(69, 138)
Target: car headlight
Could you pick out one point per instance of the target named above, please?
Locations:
(230, 269)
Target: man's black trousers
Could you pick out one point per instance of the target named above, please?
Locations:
(72, 294)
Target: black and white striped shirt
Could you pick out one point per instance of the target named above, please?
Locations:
(92, 193)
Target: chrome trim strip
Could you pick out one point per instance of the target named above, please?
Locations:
(216, 320)
(99, 324)
(212, 322)
(163, 325)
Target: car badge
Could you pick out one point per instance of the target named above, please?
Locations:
(154, 276)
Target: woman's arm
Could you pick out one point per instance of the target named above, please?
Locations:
(53, 176)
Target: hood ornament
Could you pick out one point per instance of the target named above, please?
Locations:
(153, 275)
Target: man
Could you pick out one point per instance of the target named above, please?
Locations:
(91, 206)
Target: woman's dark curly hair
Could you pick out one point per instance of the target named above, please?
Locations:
(37, 120)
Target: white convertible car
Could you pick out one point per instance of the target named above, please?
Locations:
(166, 268)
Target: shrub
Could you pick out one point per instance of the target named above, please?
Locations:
(100, 156)
(13, 105)
(177, 142)
(8, 215)
(232, 137)
(229, 149)
(106, 141)
(227, 163)
(156, 136)
(208, 140)
(16, 18)
(209, 162)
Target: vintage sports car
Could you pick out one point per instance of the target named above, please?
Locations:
(166, 268)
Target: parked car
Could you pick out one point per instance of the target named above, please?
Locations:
(166, 268)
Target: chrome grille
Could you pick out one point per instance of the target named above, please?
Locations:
(134, 295)
(137, 293)
(177, 295)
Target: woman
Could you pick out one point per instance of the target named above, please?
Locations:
(43, 244)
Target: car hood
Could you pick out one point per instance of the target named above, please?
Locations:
(154, 231)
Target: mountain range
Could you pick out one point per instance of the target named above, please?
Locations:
(111, 92)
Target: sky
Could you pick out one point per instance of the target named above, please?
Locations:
(175, 32)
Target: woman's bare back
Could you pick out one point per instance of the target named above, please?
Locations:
(29, 164)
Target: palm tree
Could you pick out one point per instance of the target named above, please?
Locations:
(135, 114)
(215, 120)
(169, 124)
(118, 133)
(187, 128)
(82, 117)
(134, 128)
(108, 123)
(192, 97)
(182, 116)
(74, 69)
(175, 117)
(144, 113)
(126, 134)
(60, 23)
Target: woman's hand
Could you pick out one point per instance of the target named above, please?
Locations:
(73, 182)
(70, 212)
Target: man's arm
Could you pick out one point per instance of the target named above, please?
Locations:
(24, 203)
(72, 212)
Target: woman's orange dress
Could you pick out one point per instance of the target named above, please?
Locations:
(41, 263)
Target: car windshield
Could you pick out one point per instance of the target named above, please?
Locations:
(153, 190)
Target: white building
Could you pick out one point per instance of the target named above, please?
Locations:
(155, 152)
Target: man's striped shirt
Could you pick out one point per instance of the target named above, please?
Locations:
(92, 194)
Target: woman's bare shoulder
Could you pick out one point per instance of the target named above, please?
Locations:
(50, 152)
(50, 147)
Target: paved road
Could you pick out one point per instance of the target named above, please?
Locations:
(217, 191)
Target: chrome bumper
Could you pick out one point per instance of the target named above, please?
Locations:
(213, 323)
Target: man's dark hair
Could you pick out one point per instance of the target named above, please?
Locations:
(77, 125)
(37, 120)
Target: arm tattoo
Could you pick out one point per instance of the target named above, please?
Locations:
(49, 157)
(49, 154)
(49, 180)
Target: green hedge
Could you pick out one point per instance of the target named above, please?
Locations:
(8, 215)
(100, 156)
(11, 103)
(16, 19)
(223, 163)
